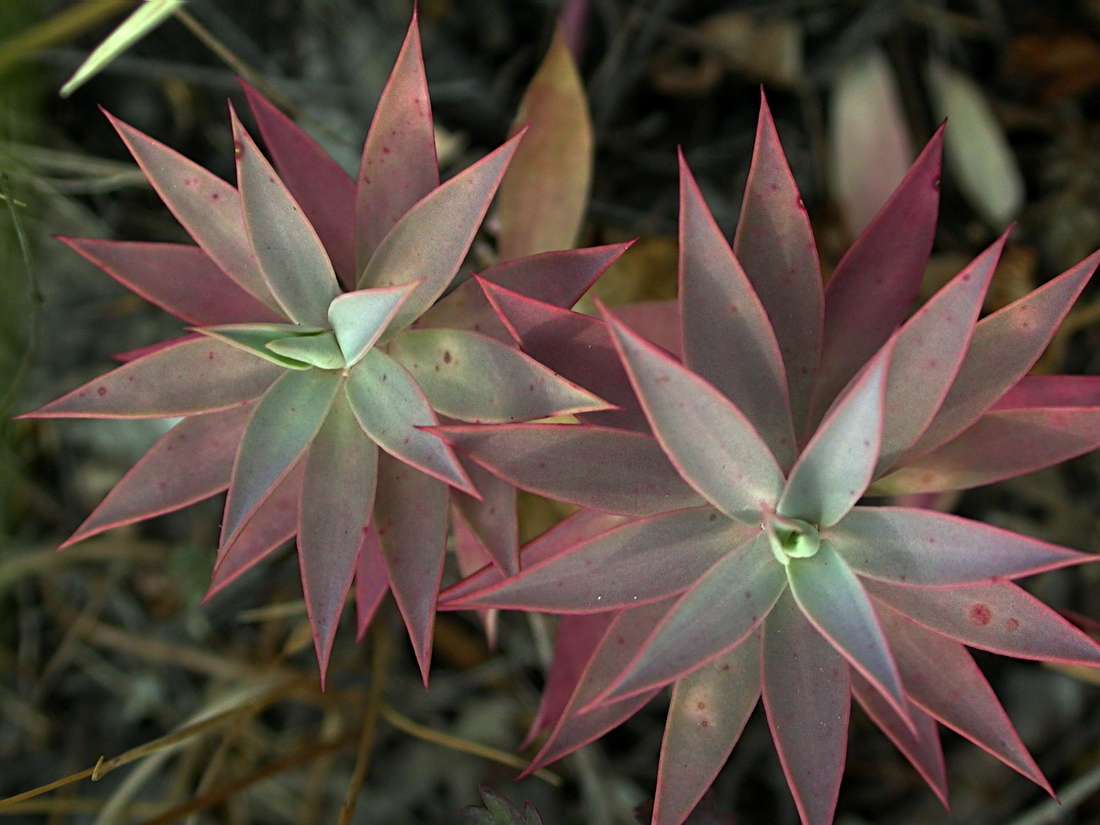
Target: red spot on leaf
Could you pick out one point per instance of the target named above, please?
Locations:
(980, 614)
(1012, 625)
(102, 391)
(446, 356)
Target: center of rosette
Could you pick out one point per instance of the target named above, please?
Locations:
(792, 538)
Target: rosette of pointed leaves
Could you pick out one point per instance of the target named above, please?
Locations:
(320, 349)
(745, 566)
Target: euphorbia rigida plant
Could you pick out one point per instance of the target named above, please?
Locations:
(323, 342)
(724, 549)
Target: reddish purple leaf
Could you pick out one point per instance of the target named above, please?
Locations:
(923, 548)
(492, 518)
(603, 469)
(399, 163)
(708, 711)
(337, 494)
(208, 207)
(575, 346)
(191, 462)
(775, 245)
(640, 562)
(1004, 347)
(470, 556)
(1001, 617)
(873, 287)
(410, 515)
(805, 685)
(571, 531)
(1051, 391)
(727, 337)
(182, 280)
(942, 678)
(325, 192)
(918, 738)
(372, 581)
(656, 321)
(711, 618)
(275, 524)
(191, 376)
(927, 354)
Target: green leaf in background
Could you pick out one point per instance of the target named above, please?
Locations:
(143, 20)
(499, 811)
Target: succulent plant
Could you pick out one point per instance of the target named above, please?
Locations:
(723, 547)
(322, 340)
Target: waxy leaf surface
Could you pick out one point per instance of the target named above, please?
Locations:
(195, 375)
(282, 425)
(293, 260)
(805, 685)
(391, 409)
(775, 245)
(337, 495)
(398, 165)
(727, 336)
(475, 378)
(605, 469)
(923, 548)
(709, 440)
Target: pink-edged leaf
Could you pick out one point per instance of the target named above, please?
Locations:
(275, 523)
(640, 562)
(473, 377)
(337, 496)
(140, 352)
(831, 597)
(543, 197)
(1051, 391)
(708, 439)
(711, 618)
(180, 279)
(923, 548)
(604, 469)
(927, 353)
(208, 207)
(282, 426)
(941, 677)
(293, 260)
(432, 238)
(471, 555)
(727, 337)
(391, 409)
(325, 192)
(372, 581)
(492, 518)
(775, 245)
(656, 321)
(410, 515)
(620, 643)
(918, 738)
(874, 285)
(575, 346)
(571, 531)
(399, 165)
(574, 646)
(359, 318)
(191, 462)
(1003, 348)
(192, 376)
(1002, 617)
(556, 278)
(805, 685)
(709, 710)
(837, 464)
(1001, 444)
